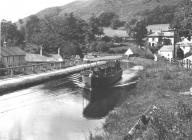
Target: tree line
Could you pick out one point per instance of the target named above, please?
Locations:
(179, 17)
(70, 33)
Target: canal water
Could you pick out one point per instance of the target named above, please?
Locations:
(57, 110)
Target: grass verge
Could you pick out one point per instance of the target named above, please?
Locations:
(160, 84)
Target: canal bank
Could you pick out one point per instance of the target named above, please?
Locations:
(159, 87)
(30, 80)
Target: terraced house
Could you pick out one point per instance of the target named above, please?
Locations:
(12, 56)
(160, 34)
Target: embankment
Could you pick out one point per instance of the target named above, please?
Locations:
(160, 85)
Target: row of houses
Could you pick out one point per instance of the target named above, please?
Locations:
(161, 35)
(14, 56)
(162, 39)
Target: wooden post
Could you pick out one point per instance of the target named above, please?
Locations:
(23, 69)
(11, 70)
(59, 63)
(32, 68)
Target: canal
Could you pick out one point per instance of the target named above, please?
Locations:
(57, 110)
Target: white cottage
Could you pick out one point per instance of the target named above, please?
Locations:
(161, 38)
(185, 45)
(166, 51)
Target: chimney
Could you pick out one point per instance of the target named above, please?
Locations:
(41, 50)
(58, 51)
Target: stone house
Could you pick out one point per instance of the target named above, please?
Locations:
(12, 56)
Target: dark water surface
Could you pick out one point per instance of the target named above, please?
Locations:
(56, 110)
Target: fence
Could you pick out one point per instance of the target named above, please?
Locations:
(183, 63)
(35, 68)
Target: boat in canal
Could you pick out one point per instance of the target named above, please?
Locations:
(102, 76)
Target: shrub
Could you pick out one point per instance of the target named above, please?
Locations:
(2, 72)
(171, 124)
(167, 75)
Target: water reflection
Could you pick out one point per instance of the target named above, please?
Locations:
(56, 110)
(101, 102)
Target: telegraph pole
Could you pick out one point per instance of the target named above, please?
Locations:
(174, 52)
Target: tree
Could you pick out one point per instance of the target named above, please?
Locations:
(33, 30)
(115, 23)
(11, 34)
(54, 32)
(93, 29)
(180, 53)
(139, 32)
(105, 18)
(160, 15)
(182, 21)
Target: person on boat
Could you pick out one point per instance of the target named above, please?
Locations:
(90, 74)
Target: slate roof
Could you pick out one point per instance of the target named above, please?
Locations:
(164, 34)
(12, 51)
(41, 58)
(167, 48)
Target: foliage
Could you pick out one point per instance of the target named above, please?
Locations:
(93, 29)
(106, 18)
(159, 15)
(11, 34)
(71, 48)
(171, 125)
(65, 33)
(179, 53)
(117, 39)
(182, 21)
(138, 32)
(101, 46)
(2, 72)
(33, 30)
(116, 23)
(106, 39)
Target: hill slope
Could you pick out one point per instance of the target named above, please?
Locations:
(126, 9)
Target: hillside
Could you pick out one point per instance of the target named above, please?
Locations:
(126, 9)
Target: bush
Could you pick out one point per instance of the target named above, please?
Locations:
(2, 72)
(167, 75)
(171, 125)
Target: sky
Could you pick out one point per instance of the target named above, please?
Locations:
(12, 10)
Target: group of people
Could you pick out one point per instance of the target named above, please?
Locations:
(109, 69)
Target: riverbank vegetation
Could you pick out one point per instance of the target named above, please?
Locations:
(160, 85)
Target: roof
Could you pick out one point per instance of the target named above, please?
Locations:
(158, 27)
(188, 58)
(129, 52)
(112, 33)
(41, 58)
(12, 51)
(185, 41)
(57, 57)
(167, 48)
(164, 34)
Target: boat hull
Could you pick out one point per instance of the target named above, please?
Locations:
(101, 82)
